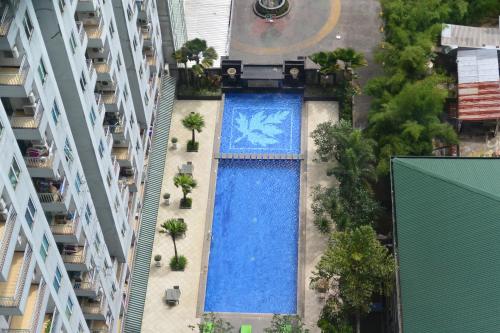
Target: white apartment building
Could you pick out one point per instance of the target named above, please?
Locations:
(73, 137)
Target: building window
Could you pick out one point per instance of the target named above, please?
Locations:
(55, 113)
(101, 148)
(109, 178)
(78, 182)
(97, 243)
(137, 145)
(44, 247)
(130, 13)
(1, 129)
(68, 152)
(93, 117)
(57, 280)
(88, 214)
(28, 26)
(72, 42)
(30, 213)
(125, 93)
(118, 62)
(134, 43)
(111, 29)
(146, 98)
(69, 308)
(140, 72)
(117, 204)
(62, 4)
(83, 81)
(14, 173)
(123, 229)
(42, 72)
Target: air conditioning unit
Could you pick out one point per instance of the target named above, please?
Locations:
(32, 98)
(15, 52)
(166, 69)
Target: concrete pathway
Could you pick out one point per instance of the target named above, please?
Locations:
(158, 317)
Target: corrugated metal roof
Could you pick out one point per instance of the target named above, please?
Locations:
(209, 20)
(479, 101)
(477, 66)
(455, 36)
(142, 261)
(448, 244)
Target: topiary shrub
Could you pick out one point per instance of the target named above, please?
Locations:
(178, 264)
(192, 146)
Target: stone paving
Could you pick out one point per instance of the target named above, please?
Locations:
(158, 317)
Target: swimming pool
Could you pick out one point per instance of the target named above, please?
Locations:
(261, 123)
(253, 256)
(254, 244)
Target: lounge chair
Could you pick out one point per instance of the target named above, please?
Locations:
(246, 329)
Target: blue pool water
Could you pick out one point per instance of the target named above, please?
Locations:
(261, 123)
(253, 255)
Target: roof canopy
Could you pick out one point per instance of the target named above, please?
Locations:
(456, 36)
(447, 217)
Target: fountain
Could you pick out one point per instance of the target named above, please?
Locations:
(271, 9)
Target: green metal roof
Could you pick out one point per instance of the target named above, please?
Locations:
(447, 215)
(157, 156)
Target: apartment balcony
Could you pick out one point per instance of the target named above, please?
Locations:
(99, 326)
(7, 223)
(152, 62)
(128, 176)
(94, 309)
(75, 258)
(116, 126)
(87, 5)
(53, 194)
(123, 156)
(15, 79)
(14, 290)
(111, 100)
(82, 34)
(101, 109)
(33, 317)
(147, 35)
(96, 34)
(41, 161)
(7, 31)
(85, 286)
(92, 74)
(26, 122)
(104, 68)
(66, 228)
(143, 6)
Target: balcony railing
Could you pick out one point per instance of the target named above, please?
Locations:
(100, 104)
(116, 166)
(74, 255)
(91, 68)
(93, 308)
(5, 21)
(13, 301)
(14, 76)
(110, 97)
(31, 121)
(41, 161)
(94, 31)
(85, 285)
(7, 234)
(58, 196)
(65, 226)
(81, 32)
(109, 137)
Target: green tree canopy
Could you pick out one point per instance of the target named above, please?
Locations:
(286, 323)
(194, 122)
(175, 228)
(186, 183)
(360, 264)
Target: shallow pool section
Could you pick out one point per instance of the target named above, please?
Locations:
(261, 123)
(253, 254)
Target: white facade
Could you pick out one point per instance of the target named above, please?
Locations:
(73, 154)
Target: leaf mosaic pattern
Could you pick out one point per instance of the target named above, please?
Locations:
(260, 129)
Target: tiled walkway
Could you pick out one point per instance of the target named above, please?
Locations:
(158, 317)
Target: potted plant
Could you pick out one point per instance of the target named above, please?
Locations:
(174, 143)
(195, 123)
(158, 260)
(166, 197)
(186, 183)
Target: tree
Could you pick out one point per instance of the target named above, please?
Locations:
(351, 59)
(327, 62)
(279, 322)
(194, 122)
(175, 228)
(362, 267)
(186, 183)
(181, 56)
(217, 324)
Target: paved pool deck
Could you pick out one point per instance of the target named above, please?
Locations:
(159, 317)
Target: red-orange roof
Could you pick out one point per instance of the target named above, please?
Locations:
(479, 101)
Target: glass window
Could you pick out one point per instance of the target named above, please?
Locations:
(117, 204)
(97, 243)
(14, 173)
(72, 42)
(1, 129)
(42, 72)
(62, 4)
(129, 12)
(55, 113)
(134, 43)
(146, 98)
(93, 117)
(78, 182)
(30, 213)
(109, 178)
(118, 63)
(68, 152)
(125, 92)
(111, 28)
(88, 214)
(57, 279)
(140, 72)
(137, 145)
(28, 26)
(83, 81)
(44, 247)
(69, 308)
(101, 148)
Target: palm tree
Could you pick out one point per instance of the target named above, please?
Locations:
(194, 122)
(198, 51)
(175, 228)
(350, 58)
(181, 56)
(327, 62)
(186, 183)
